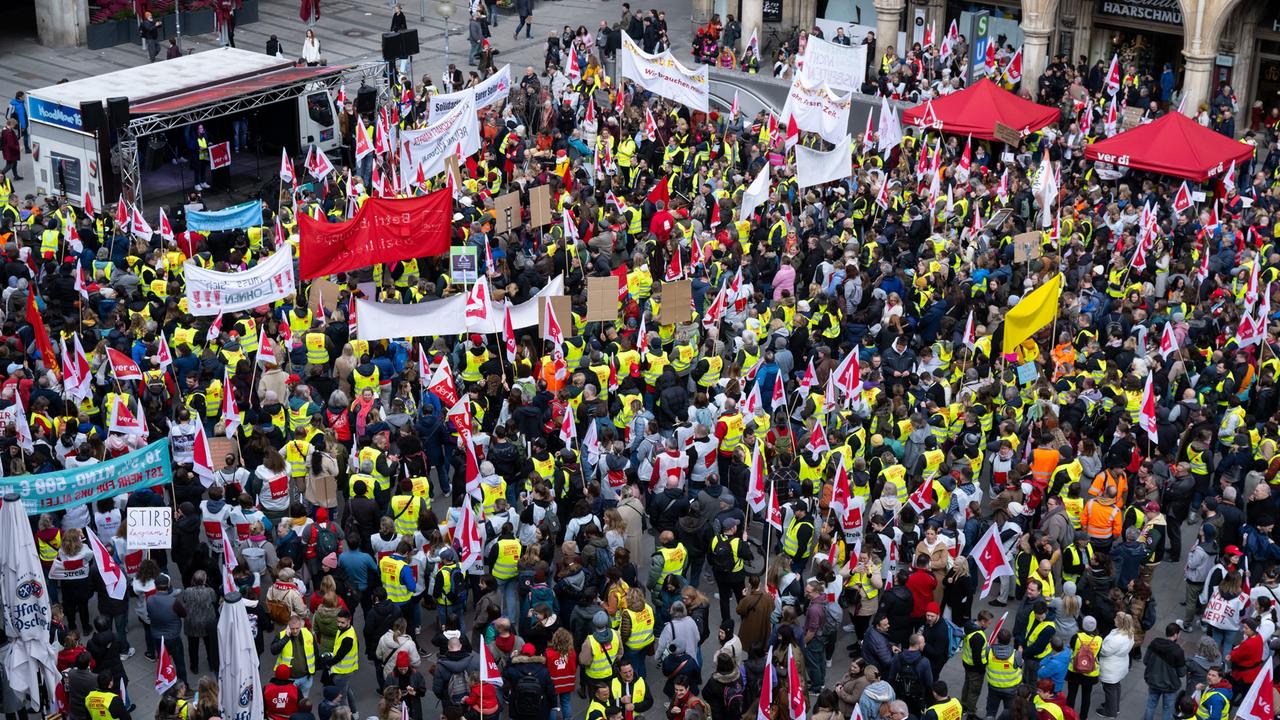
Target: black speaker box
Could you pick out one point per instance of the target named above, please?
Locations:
(366, 100)
(93, 117)
(118, 111)
(409, 43)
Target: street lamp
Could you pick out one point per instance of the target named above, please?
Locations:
(444, 9)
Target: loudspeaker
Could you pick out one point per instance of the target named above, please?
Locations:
(409, 42)
(93, 117)
(366, 100)
(118, 112)
(391, 45)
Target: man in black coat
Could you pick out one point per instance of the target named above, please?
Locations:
(527, 686)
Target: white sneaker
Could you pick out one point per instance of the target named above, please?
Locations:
(828, 663)
(127, 655)
(847, 628)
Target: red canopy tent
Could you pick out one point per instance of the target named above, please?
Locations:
(976, 110)
(1171, 145)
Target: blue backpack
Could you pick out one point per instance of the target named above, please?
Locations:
(955, 638)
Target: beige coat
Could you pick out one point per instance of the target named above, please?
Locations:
(632, 511)
(322, 488)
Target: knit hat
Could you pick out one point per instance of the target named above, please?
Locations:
(282, 672)
(528, 650)
(402, 659)
(1089, 624)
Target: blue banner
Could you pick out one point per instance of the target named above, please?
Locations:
(244, 215)
(150, 466)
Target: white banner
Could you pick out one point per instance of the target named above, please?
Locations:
(818, 109)
(447, 316)
(843, 67)
(493, 89)
(430, 146)
(664, 75)
(210, 292)
(814, 167)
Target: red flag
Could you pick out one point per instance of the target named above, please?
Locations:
(477, 308)
(122, 215)
(230, 409)
(992, 561)
(793, 132)
(88, 204)
(568, 428)
(674, 269)
(1014, 71)
(817, 440)
(841, 490)
(1168, 341)
(713, 222)
(1182, 201)
(779, 395)
(810, 379)
(286, 167)
(508, 332)
(995, 629)
(123, 366)
(441, 383)
(922, 498)
(590, 114)
(122, 420)
(489, 670)
(551, 326)
(42, 335)
(113, 576)
(775, 511)
(756, 495)
(1258, 701)
(661, 191)
(764, 707)
(754, 401)
(468, 538)
(1112, 82)
(650, 126)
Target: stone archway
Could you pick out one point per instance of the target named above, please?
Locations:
(1203, 22)
(1038, 23)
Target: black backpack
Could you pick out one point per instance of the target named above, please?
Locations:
(326, 541)
(722, 560)
(907, 683)
(527, 695)
(734, 704)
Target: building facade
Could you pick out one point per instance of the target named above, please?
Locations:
(1205, 42)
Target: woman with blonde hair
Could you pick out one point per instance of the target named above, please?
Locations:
(615, 529)
(1113, 662)
(75, 583)
(562, 663)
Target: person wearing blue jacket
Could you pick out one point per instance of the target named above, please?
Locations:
(1215, 696)
(1054, 665)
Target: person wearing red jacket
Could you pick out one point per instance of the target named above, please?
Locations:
(1246, 658)
(1051, 705)
(921, 583)
(483, 700)
(280, 695)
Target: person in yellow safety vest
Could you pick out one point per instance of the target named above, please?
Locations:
(382, 468)
(601, 650)
(345, 657)
(973, 650)
(503, 560)
(637, 626)
(1047, 699)
(202, 159)
(50, 239)
(1040, 632)
(318, 347)
(629, 689)
(1215, 700)
(301, 319)
(400, 583)
(406, 508)
(296, 647)
(366, 376)
(103, 703)
(449, 587)
(1003, 672)
(598, 708)
(707, 372)
(798, 537)
(473, 359)
(296, 453)
(944, 706)
(729, 578)
(670, 557)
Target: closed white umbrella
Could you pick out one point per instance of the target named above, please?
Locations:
(26, 608)
(238, 663)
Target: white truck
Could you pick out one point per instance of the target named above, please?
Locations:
(104, 151)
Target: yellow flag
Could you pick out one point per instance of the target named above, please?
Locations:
(1031, 313)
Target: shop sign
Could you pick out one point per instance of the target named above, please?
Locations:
(1163, 12)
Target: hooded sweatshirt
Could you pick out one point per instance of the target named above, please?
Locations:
(1166, 664)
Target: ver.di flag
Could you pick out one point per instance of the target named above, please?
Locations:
(992, 561)
(166, 672)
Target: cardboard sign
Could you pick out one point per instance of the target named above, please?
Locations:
(324, 295)
(1131, 118)
(1026, 246)
(1028, 373)
(564, 311)
(1006, 134)
(220, 155)
(150, 528)
(677, 303)
(540, 205)
(602, 299)
(506, 211)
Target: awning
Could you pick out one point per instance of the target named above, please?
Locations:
(1172, 144)
(225, 91)
(977, 109)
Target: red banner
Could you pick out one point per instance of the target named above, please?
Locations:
(382, 231)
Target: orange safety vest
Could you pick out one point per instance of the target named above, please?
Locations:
(1106, 479)
(1043, 463)
(1101, 521)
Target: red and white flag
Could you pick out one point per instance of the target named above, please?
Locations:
(995, 629)
(733, 109)
(123, 366)
(756, 495)
(551, 326)
(441, 383)
(166, 229)
(779, 395)
(230, 409)
(286, 167)
(775, 510)
(992, 561)
(849, 376)
(141, 228)
(1182, 201)
(966, 162)
(1229, 178)
(477, 309)
(650, 126)
(88, 205)
(1258, 703)
(868, 135)
(1147, 411)
(320, 166)
(817, 442)
(921, 498)
(675, 269)
(568, 428)
(215, 329)
(754, 401)
(795, 691)
(841, 489)
(764, 706)
(508, 332)
(166, 671)
(1014, 71)
(122, 215)
(793, 132)
(202, 454)
(1112, 82)
(113, 576)
(489, 670)
(122, 420)
(363, 146)
(970, 333)
(573, 70)
(882, 195)
(1248, 333)
(1168, 341)
(809, 380)
(470, 547)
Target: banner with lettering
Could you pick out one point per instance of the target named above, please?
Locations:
(210, 292)
(664, 75)
(493, 89)
(428, 148)
(843, 67)
(818, 109)
(244, 215)
(49, 492)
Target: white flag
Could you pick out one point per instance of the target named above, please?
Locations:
(890, 130)
(755, 194)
